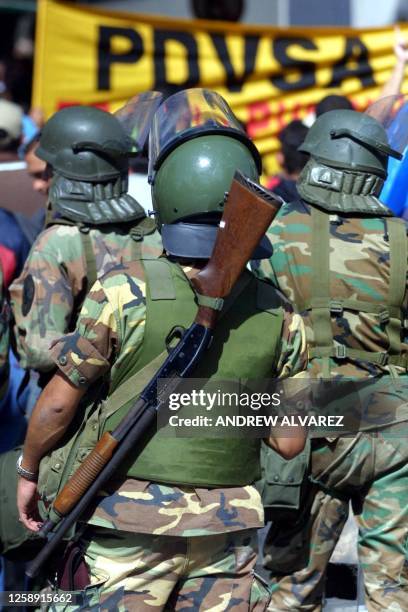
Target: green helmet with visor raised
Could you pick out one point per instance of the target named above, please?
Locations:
(196, 144)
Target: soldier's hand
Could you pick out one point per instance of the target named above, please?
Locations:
(27, 498)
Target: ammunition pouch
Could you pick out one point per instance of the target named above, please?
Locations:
(283, 480)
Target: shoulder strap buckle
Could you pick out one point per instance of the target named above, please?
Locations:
(340, 351)
(384, 316)
(336, 307)
(137, 234)
(383, 359)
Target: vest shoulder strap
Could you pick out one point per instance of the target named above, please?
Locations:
(398, 280)
(323, 307)
(320, 314)
(90, 257)
(133, 386)
(143, 228)
(397, 236)
(159, 279)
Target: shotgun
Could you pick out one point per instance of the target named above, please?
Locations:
(248, 212)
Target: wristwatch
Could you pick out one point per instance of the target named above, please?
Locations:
(33, 477)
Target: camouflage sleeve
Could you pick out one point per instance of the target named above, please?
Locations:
(109, 328)
(86, 354)
(293, 355)
(42, 302)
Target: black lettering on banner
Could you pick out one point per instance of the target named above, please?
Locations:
(106, 57)
(306, 68)
(355, 53)
(235, 82)
(186, 39)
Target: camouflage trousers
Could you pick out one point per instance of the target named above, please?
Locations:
(372, 471)
(141, 572)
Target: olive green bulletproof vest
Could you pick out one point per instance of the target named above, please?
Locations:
(245, 345)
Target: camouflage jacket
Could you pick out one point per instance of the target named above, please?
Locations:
(359, 269)
(47, 296)
(110, 329)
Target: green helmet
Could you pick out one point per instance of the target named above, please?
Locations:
(349, 140)
(85, 143)
(88, 150)
(196, 145)
(348, 163)
(194, 177)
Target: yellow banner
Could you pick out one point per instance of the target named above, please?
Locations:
(268, 75)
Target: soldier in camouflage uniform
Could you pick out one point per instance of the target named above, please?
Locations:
(176, 529)
(93, 226)
(341, 258)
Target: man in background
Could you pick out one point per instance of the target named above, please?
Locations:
(290, 160)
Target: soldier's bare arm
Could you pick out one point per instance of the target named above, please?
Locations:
(50, 419)
(288, 447)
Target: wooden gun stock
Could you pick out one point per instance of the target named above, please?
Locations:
(248, 213)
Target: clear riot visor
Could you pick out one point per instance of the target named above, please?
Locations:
(136, 117)
(392, 113)
(185, 114)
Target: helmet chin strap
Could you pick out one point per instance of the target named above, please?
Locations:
(195, 241)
